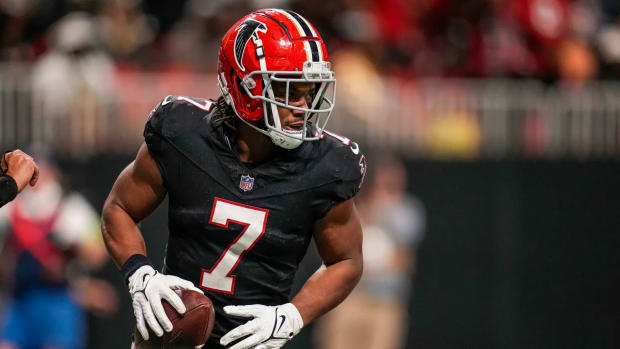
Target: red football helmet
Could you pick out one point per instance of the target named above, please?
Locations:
(270, 46)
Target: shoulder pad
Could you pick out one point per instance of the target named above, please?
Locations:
(177, 114)
(345, 160)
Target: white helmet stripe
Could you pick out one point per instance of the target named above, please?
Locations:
(301, 23)
(307, 25)
(308, 50)
(300, 30)
(317, 52)
(313, 52)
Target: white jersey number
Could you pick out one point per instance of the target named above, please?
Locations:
(219, 278)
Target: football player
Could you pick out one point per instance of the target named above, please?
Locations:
(251, 178)
(17, 170)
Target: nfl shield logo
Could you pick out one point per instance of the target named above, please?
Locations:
(246, 183)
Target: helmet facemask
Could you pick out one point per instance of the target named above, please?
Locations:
(317, 112)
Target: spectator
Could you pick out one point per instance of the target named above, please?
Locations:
(73, 82)
(608, 42)
(52, 239)
(375, 314)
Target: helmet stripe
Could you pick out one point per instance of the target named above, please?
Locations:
(308, 51)
(317, 54)
(312, 31)
(313, 51)
(299, 31)
(297, 25)
(300, 21)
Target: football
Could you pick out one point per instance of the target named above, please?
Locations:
(190, 330)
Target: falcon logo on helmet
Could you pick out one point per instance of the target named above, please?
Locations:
(245, 31)
(249, 66)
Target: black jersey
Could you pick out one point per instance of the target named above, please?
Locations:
(239, 232)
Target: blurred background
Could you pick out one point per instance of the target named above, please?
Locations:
(492, 132)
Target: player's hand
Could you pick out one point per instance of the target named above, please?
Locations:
(21, 167)
(270, 328)
(147, 288)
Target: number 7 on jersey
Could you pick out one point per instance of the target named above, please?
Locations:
(219, 278)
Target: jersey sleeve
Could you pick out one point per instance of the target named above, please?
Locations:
(172, 119)
(155, 129)
(347, 165)
(353, 172)
(164, 123)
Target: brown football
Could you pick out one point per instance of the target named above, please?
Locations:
(190, 330)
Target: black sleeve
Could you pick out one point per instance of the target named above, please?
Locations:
(349, 169)
(8, 189)
(166, 130)
(155, 126)
(155, 132)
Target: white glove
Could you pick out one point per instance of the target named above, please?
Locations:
(271, 327)
(147, 288)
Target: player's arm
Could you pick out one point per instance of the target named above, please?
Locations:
(137, 191)
(339, 240)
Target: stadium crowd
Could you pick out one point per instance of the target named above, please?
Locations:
(547, 39)
(90, 57)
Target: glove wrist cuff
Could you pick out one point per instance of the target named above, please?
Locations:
(140, 279)
(132, 264)
(293, 313)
